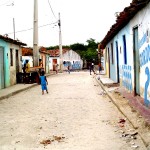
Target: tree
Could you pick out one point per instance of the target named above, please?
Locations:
(92, 44)
(78, 46)
(57, 47)
(87, 52)
(80, 49)
(92, 50)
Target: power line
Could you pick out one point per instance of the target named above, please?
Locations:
(51, 9)
(32, 28)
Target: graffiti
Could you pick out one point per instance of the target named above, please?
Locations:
(126, 77)
(146, 101)
(144, 60)
(143, 40)
(76, 65)
(145, 56)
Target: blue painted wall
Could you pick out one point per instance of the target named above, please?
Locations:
(144, 46)
(127, 70)
(129, 53)
(113, 66)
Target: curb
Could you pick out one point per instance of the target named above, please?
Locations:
(21, 90)
(113, 101)
(16, 92)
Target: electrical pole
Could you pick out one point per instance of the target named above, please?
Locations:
(12, 4)
(14, 27)
(99, 54)
(60, 45)
(35, 34)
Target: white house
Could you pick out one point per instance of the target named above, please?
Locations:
(127, 48)
(69, 57)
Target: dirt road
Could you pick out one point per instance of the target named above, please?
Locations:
(75, 115)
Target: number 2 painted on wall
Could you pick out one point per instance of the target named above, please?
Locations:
(146, 101)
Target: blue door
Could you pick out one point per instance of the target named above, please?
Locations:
(117, 55)
(2, 83)
(136, 62)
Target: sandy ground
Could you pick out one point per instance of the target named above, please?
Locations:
(75, 115)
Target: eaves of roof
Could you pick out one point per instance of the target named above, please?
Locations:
(44, 52)
(26, 51)
(7, 39)
(123, 19)
(55, 52)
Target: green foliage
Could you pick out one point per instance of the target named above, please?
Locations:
(87, 52)
(57, 47)
(78, 46)
(92, 44)
(52, 47)
(91, 55)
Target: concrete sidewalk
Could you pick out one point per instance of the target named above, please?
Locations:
(124, 102)
(134, 101)
(12, 90)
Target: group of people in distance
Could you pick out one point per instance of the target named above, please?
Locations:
(41, 73)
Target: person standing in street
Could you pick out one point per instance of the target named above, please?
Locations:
(68, 69)
(91, 68)
(56, 68)
(44, 82)
(24, 73)
(26, 70)
(40, 63)
(99, 67)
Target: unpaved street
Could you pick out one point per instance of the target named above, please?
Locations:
(75, 115)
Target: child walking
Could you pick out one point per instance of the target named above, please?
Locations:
(44, 82)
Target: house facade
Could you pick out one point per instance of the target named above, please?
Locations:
(69, 57)
(10, 61)
(44, 56)
(53, 59)
(72, 59)
(27, 53)
(127, 48)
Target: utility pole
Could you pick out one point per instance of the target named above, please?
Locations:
(60, 45)
(14, 27)
(99, 54)
(35, 34)
(12, 4)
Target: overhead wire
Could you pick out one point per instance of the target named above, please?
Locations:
(52, 10)
(32, 28)
(25, 30)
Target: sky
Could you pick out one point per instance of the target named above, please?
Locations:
(80, 20)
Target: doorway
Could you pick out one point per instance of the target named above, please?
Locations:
(108, 62)
(136, 62)
(17, 61)
(2, 75)
(117, 55)
(54, 63)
